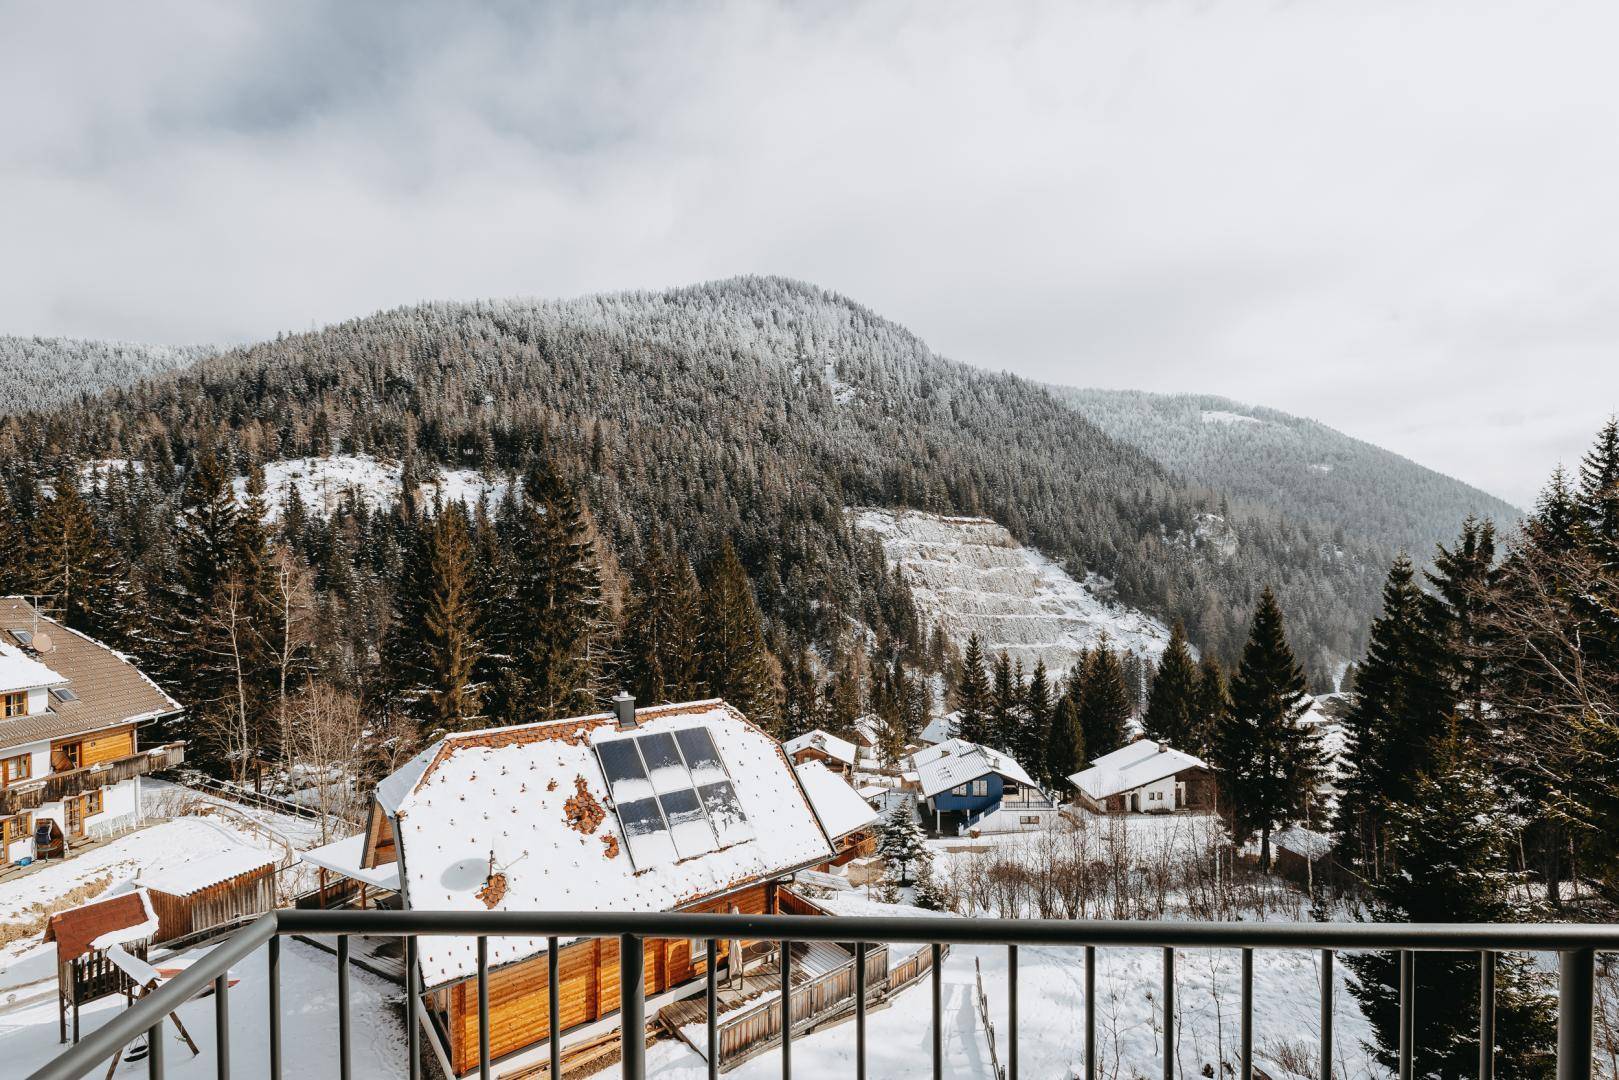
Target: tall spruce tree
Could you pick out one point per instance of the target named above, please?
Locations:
(1104, 701)
(1065, 742)
(973, 694)
(1451, 842)
(1037, 712)
(1267, 766)
(1006, 707)
(76, 567)
(663, 632)
(738, 664)
(15, 575)
(1399, 713)
(1213, 702)
(1172, 703)
(1463, 578)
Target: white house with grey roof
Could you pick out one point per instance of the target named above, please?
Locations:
(1146, 777)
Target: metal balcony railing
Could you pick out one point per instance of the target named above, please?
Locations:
(1575, 945)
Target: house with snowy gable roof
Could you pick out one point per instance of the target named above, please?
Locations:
(1145, 777)
(967, 787)
(675, 808)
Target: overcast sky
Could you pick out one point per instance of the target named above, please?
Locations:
(1400, 219)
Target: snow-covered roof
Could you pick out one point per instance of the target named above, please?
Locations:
(19, 671)
(1142, 762)
(839, 806)
(1301, 841)
(195, 872)
(872, 791)
(940, 729)
(111, 920)
(867, 727)
(957, 761)
(346, 856)
(833, 747)
(535, 800)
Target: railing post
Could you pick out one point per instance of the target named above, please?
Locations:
(413, 1020)
(344, 1059)
(1576, 977)
(154, 1050)
(1169, 1014)
(1486, 1016)
(1326, 1014)
(1247, 1011)
(1090, 1012)
(713, 1011)
(483, 1007)
(632, 1007)
(222, 1025)
(1408, 1012)
(938, 1012)
(860, 1010)
(786, 1011)
(553, 1000)
(1011, 1012)
(274, 946)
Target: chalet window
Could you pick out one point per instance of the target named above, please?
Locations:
(13, 769)
(14, 829)
(66, 756)
(960, 789)
(94, 802)
(980, 787)
(17, 704)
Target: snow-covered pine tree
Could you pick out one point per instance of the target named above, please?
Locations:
(1463, 578)
(902, 844)
(1266, 764)
(1396, 718)
(1104, 701)
(75, 566)
(1006, 707)
(972, 694)
(1172, 701)
(663, 641)
(738, 664)
(1452, 845)
(1037, 711)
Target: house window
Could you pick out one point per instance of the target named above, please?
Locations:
(980, 787)
(94, 802)
(1030, 819)
(14, 829)
(13, 769)
(959, 789)
(66, 756)
(17, 704)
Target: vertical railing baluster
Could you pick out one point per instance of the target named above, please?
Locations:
(860, 1010)
(713, 1010)
(1090, 1012)
(345, 1067)
(1576, 1002)
(413, 1017)
(1011, 1012)
(483, 1007)
(1408, 1012)
(553, 1000)
(786, 1010)
(632, 1007)
(938, 1012)
(154, 1050)
(1326, 1014)
(1247, 1021)
(275, 1007)
(222, 1025)
(1486, 1016)
(1169, 1014)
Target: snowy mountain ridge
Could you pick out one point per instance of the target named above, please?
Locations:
(970, 576)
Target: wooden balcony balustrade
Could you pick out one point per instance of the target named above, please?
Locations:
(35, 792)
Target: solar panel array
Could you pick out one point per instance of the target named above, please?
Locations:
(673, 795)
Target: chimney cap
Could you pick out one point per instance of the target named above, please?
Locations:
(624, 708)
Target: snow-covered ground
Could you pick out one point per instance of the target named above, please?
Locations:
(325, 482)
(971, 577)
(28, 1034)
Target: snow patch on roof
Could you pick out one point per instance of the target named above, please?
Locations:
(957, 761)
(19, 671)
(193, 872)
(828, 744)
(1130, 767)
(841, 809)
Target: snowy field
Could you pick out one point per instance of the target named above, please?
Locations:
(969, 576)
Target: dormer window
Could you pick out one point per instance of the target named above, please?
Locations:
(16, 704)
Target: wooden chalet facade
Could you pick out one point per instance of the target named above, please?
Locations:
(70, 755)
(649, 809)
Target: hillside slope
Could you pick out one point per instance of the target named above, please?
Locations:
(37, 373)
(1298, 466)
(755, 410)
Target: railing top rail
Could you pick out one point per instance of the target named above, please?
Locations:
(1432, 937)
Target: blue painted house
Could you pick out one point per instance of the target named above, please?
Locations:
(967, 787)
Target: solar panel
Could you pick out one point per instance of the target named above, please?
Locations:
(697, 746)
(663, 763)
(621, 765)
(62, 693)
(24, 637)
(645, 833)
(725, 813)
(688, 825)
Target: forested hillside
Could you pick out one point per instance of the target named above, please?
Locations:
(36, 373)
(1299, 467)
(754, 409)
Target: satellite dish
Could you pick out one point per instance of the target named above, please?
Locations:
(43, 642)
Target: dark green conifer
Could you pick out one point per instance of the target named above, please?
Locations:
(1172, 703)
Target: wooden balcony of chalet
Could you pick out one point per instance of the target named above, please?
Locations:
(24, 795)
